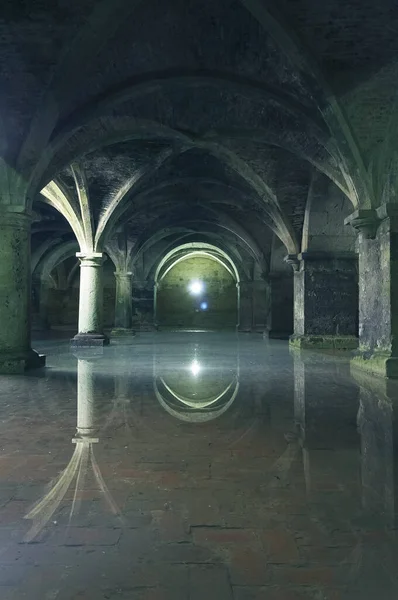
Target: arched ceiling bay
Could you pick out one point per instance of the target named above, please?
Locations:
(131, 108)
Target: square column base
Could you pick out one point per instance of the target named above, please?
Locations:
(382, 364)
(17, 365)
(324, 342)
(89, 340)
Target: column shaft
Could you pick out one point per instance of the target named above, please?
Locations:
(246, 306)
(90, 301)
(15, 295)
(326, 301)
(378, 296)
(281, 285)
(123, 303)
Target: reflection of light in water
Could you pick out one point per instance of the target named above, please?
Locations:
(196, 287)
(195, 367)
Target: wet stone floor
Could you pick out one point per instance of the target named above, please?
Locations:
(197, 466)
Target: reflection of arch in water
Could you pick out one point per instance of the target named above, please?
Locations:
(185, 410)
(196, 392)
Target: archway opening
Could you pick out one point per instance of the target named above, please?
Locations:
(197, 290)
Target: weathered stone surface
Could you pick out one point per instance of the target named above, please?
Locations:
(378, 298)
(324, 342)
(15, 352)
(326, 296)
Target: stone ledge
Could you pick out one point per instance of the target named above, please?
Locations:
(381, 364)
(324, 342)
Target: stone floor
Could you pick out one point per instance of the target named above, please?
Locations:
(197, 466)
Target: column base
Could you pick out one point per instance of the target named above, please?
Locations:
(122, 332)
(278, 335)
(17, 365)
(89, 340)
(146, 327)
(382, 364)
(324, 342)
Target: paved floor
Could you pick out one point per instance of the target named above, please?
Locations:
(198, 467)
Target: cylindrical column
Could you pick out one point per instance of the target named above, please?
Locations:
(15, 294)
(123, 303)
(90, 301)
(155, 304)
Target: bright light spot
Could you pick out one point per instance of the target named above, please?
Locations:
(203, 305)
(195, 367)
(196, 287)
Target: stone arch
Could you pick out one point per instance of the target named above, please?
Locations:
(188, 251)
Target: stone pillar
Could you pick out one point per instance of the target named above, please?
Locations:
(378, 289)
(90, 301)
(281, 290)
(16, 354)
(325, 300)
(245, 306)
(123, 303)
(155, 305)
(39, 305)
(261, 305)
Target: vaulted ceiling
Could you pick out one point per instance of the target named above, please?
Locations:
(197, 113)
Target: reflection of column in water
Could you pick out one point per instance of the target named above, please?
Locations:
(299, 413)
(375, 425)
(377, 565)
(121, 399)
(82, 462)
(85, 398)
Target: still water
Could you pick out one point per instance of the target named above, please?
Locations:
(197, 466)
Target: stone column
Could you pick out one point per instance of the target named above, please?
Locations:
(281, 290)
(16, 354)
(155, 305)
(261, 305)
(245, 306)
(378, 289)
(325, 300)
(90, 301)
(123, 303)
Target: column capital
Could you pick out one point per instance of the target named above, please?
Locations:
(293, 260)
(365, 221)
(11, 216)
(90, 259)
